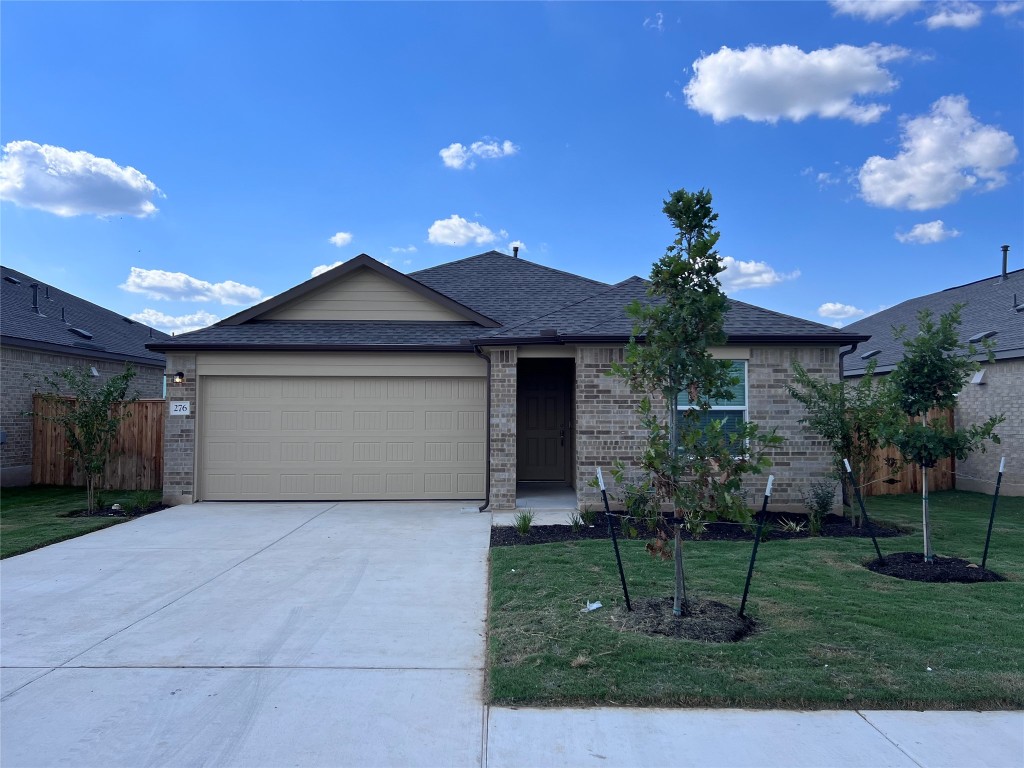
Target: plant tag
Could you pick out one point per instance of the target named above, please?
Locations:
(591, 606)
(600, 479)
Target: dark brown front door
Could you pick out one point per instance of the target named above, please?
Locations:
(542, 426)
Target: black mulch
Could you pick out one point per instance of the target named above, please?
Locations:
(833, 525)
(912, 567)
(706, 621)
(111, 512)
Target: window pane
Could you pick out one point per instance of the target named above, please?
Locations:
(739, 392)
(733, 419)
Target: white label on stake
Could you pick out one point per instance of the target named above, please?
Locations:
(846, 463)
(768, 490)
(600, 479)
(181, 408)
(1002, 464)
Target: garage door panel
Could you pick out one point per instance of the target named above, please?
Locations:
(342, 438)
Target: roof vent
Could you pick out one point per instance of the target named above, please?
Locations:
(80, 332)
(128, 320)
(515, 251)
(980, 336)
(12, 280)
(870, 354)
(46, 295)
(979, 377)
(548, 332)
(35, 299)
(63, 315)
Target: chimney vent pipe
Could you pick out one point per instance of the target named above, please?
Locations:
(1006, 250)
(35, 297)
(515, 253)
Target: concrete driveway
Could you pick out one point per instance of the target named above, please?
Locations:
(250, 634)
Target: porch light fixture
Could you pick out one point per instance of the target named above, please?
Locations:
(176, 378)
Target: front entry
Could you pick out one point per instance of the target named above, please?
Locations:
(544, 420)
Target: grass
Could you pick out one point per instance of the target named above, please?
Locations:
(831, 633)
(34, 516)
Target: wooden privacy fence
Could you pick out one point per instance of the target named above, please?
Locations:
(137, 459)
(941, 477)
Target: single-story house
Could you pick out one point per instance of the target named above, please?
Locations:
(994, 310)
(469, 380)
(44, 330)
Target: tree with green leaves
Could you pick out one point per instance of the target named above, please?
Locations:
(935, 367)
(692, 465)
(848, 417)
(90, 415)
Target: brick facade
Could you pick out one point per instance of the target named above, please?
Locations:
(1002, 392)
(503, 427)
(23, 372)
(180, 433)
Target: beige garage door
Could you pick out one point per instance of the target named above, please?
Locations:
(345, 438)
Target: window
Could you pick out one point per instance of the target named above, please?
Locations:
(731, 410)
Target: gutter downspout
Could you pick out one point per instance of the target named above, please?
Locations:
(487, 478)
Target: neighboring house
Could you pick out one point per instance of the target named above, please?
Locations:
(994, 309)
(462, 381)
(44, 330)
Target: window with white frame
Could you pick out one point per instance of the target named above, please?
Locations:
(731, 410)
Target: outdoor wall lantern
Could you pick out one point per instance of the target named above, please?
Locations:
(176, 378)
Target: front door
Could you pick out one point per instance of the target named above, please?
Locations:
(542, 426)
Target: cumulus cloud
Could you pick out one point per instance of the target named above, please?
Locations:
(836, 311)
(958, 15)
(459, 156)
(406, 249)
(1008, 8)
(456, 231)
(783, 82)
(175, 323)
(923, 234)
(341, 239)
(942, 155)
(517, 244)
(324, 268)
(875, 10)
(750, 274)
(177, 286)
(67, 183)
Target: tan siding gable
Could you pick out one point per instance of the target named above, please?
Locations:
(363, 295)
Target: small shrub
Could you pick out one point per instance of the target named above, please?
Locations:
(140, 501)
(576, 522)
(99, 500)
(792, 526)
(523, 521)
(589, 515)
(819, 498)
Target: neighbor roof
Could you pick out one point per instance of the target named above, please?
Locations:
(67, 324)
(990, 305)
(505, 300)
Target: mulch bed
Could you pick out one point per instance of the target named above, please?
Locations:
(111, 512)
(706, 621)
(833, 525)
(912, 567)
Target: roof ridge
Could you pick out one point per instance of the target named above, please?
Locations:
(982, 280)
(517, 258)
(783, 314)
(566, 306)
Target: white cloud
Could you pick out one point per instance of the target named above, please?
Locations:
(875, 10)
(923, 234)
(942, 154)
(67, 183)
(341, 239)
(455, 230)
(177, 286)
(175, 323)
(407, 249)
(656, 23)
(750, 274)
(319, 270)
(1009, 8)
(517, 244)
(837, 311)
(783, 82)
(459, 156)
(959, 15)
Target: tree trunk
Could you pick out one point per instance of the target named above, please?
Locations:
(925, 520)
(679, 598)
(90, 492)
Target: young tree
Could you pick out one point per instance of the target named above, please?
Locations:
(90, 415)
(847, 416)
(692, 464)
(934, 369)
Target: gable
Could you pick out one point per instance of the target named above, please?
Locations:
(363, 295)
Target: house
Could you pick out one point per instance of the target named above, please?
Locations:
(994, 310)
(469, 380)
(44, 330)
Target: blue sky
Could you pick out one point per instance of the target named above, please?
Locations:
(178, 162)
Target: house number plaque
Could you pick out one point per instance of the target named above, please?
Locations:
(181, 408)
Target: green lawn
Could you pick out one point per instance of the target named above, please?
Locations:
(831, 633)
(33, 517)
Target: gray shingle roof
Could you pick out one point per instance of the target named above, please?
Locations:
(989, 307)
(113, 336)
(528, 300)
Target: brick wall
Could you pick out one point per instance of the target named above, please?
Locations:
(180, 433)
(23, 372)
(503, 427)
(608, 428)
(1002, 392)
